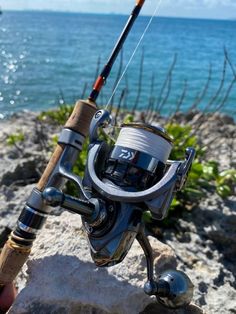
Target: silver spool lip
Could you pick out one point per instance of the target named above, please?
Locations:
(150, 128)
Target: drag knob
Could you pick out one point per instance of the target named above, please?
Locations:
(174, 289)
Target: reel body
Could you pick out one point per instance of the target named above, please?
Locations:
(129, 167)
(110, 241)
(131, 177)
(120, 183)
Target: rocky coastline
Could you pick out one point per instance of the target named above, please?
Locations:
(60, 275)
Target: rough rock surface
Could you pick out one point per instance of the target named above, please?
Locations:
(61, 276)
(61, 264)
(205, 246)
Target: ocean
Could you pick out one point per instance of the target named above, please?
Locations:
(47, 57)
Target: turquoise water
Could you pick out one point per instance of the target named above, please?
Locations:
(45, 54)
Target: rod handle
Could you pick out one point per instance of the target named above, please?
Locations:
(11, 261)
(80, 119)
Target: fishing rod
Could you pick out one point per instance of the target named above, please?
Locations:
(17, 249)
(101, 80)
(120, 183)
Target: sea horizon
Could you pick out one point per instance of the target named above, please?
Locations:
(233, 19)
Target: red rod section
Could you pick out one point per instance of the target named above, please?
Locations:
(107, 68)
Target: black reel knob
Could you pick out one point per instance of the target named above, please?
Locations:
(175, 289)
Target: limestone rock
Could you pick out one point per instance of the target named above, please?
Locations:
(20, 172)
(63, 279)
(208, 253)
(12, 201)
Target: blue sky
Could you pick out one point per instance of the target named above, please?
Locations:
(182, 8)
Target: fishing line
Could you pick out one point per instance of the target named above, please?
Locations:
(134, 52)
(142, 140)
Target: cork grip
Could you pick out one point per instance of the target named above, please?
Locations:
(81, 116)
(50, 167)
(79, 121)
(11, 262)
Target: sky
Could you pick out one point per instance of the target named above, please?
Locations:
(216, 9)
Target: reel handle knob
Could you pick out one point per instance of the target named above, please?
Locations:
(174, 289)
(55, 197)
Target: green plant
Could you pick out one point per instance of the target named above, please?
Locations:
(225, 182)
(204, 175)
(78, 169)
(193, 191)
(54, 141)
(58, 116)
(15, 138)
(128, 118)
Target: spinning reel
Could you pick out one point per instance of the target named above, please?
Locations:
(120, 183)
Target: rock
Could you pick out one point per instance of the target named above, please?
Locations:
(223, 118)
(12, 200)
(220, 225)
(21, 172)
(61, 276)
(63, 279)
(208, 253)
(155, 308)
(189, 116)
(221, 300)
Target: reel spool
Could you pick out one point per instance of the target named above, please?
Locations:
(138, 159)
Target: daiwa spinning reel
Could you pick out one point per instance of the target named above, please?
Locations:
(120, 183)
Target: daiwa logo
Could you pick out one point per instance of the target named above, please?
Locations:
(126, 155)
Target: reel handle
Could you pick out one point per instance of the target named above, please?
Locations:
(54, 197)
(173, 288)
